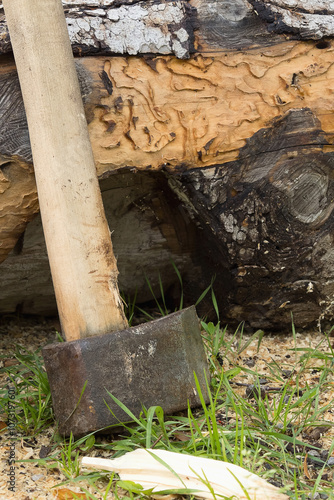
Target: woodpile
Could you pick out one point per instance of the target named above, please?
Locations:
(212, 129)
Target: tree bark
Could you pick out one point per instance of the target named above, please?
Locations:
(106, 27)
(237, 142)
(308, 19)
(185, 27)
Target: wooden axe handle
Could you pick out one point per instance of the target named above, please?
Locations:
(77, 235)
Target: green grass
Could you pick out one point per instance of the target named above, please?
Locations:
(265, 434)
(28, 379)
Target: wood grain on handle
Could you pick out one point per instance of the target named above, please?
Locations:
(77, 235)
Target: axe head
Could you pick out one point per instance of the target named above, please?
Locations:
(146, 365)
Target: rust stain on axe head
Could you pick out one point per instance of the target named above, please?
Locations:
(67, 372)
(150, 364)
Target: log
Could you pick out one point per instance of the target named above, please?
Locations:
(308, 19)
(269, 216)
(231, 151)
(126, 27)
(183, 28)
(150, 230)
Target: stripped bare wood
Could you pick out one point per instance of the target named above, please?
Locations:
(162, 469)
(166, 112)
(158, 111)
(19, 202)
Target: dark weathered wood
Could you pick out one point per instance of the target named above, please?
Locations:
(305, 19)
(150, 230)
(270, 218)
(13, 123)
(229, 25)
(14, 135)
(184, 27)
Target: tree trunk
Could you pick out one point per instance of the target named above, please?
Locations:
(224, 159)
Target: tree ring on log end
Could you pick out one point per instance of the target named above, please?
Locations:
(306, 185)
(273, 224)
(308, 198)
(234, 10)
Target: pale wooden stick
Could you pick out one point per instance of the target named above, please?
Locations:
(77, 235)
(146, 468)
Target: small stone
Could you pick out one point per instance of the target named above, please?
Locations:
(314, 458)
(37, 477)
(315, 434)
(314, 453)
(220, 359)
(313, 496)
(255, 392)
(318, 431)
(250, 362)
(330, 462)
(278, 484)
(44, 451)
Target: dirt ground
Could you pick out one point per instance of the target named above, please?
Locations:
(35, 483)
